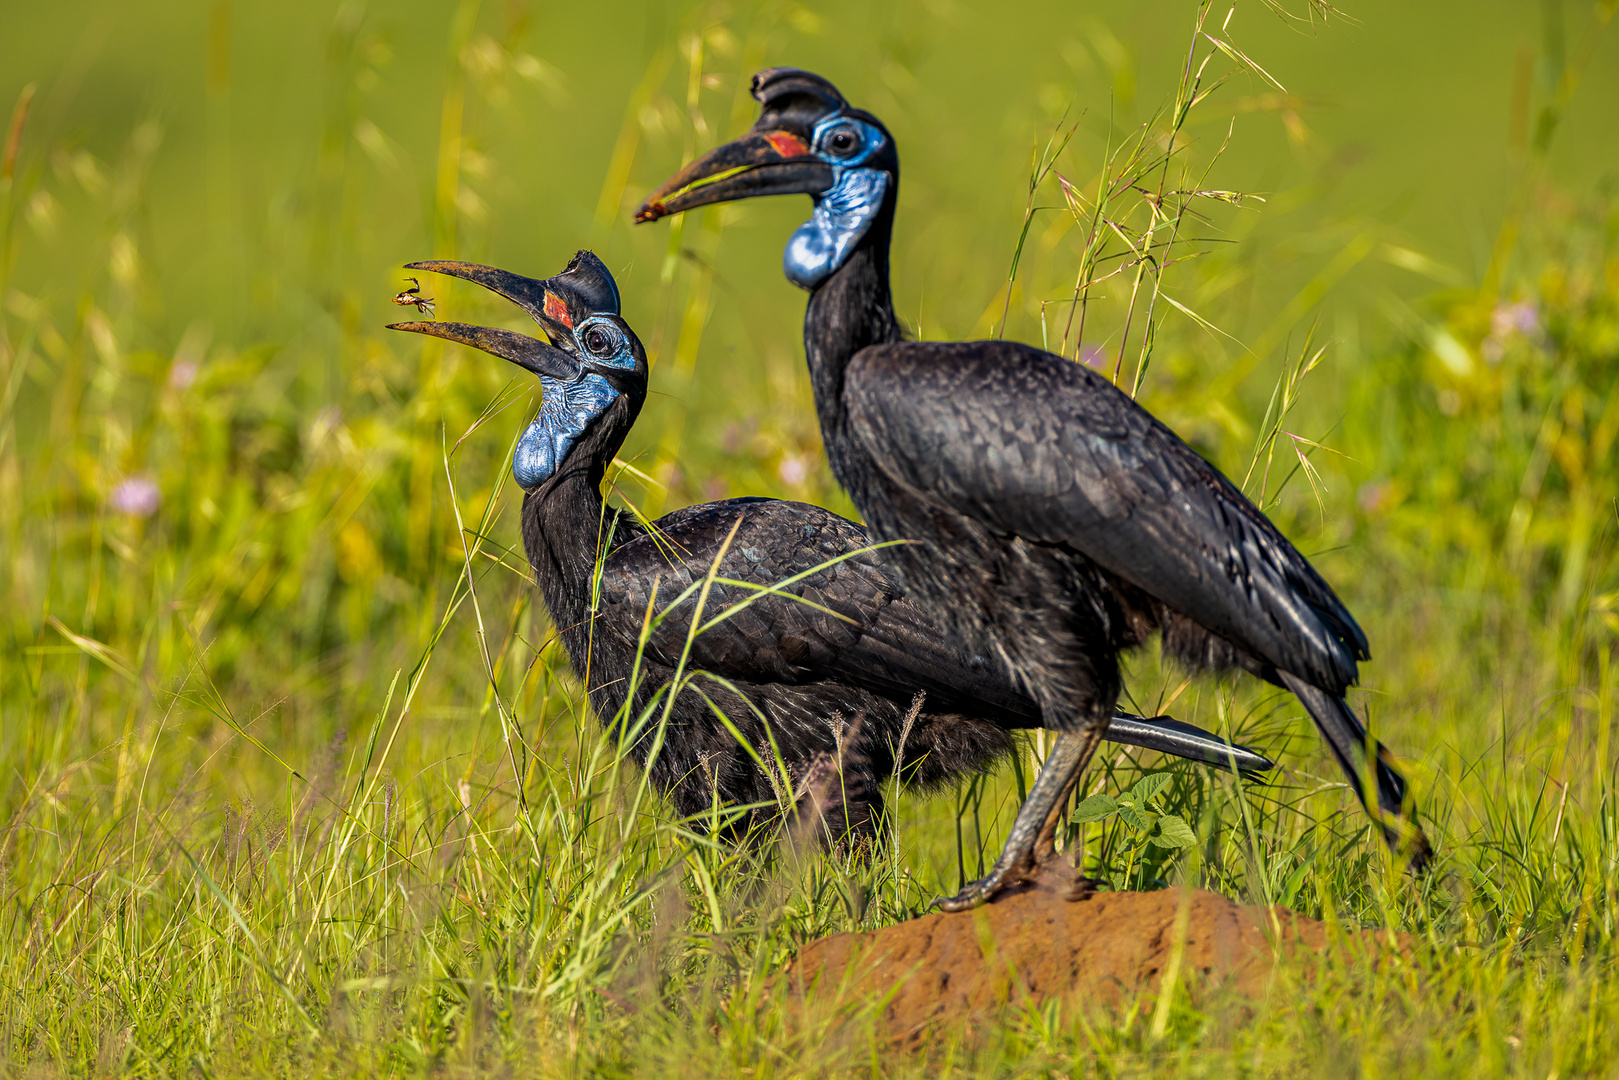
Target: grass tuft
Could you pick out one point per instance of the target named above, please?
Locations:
(297, 781)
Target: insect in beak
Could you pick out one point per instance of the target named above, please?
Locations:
(412, 297)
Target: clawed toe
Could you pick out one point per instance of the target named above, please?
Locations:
(1065, 878)
(990, 886)
(984, 889)
(977, 892)
(1081, 888)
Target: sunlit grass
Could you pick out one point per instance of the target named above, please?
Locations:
(297, 781)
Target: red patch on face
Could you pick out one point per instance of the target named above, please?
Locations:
(787, 144)
(556, 309)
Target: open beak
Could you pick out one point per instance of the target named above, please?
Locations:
(771, 162)
(531, 294)
(522, 350)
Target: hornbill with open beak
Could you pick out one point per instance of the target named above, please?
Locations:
(820, 658)
(1055, 521)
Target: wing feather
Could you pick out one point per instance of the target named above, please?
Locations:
(846, 621)
(1032, 445)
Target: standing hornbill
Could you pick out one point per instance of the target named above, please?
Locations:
(830, 658)
(1055, 521)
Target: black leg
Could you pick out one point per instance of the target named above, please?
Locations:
(1038, 815)
(1045, 847)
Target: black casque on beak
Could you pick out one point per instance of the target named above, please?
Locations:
(557, 303)
(773, 158)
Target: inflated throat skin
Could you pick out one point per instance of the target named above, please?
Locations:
(567, 409)
(842, 216)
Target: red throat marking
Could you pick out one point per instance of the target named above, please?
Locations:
(787, 144)
(558, 310)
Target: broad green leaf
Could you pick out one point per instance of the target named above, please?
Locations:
(1136, 818)
(1148, 787)
(1095, 808)
(1174, 833)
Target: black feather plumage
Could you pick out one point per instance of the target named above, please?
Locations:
(1054, 522)
(811, 670)
(823, 668)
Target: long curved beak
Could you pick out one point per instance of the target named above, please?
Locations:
(532, 295)
(774, 162)
(526, 292)
(528, 353)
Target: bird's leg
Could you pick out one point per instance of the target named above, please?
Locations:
(1018, 859)
(1046, 846)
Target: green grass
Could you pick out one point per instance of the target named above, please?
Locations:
(296, 781)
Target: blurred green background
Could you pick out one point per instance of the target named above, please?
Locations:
(230, 527)
(210, 204)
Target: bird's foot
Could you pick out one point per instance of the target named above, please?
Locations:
(984, 889)
(1068, 883)
(1081, 888)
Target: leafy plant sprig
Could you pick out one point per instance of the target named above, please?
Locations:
(1135, 808)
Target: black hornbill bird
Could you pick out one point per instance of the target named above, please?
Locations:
(830, 657)
(1055, 521)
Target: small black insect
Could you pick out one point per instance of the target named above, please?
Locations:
(413, 295)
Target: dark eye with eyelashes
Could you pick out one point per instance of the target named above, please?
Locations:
(843, 142)
(598, 342)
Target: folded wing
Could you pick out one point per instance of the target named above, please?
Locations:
(799, 596)
(1035, 446)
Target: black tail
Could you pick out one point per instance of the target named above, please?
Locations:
(1347, 737)
(1171, 736)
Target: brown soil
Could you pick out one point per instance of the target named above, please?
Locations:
(1034, 944)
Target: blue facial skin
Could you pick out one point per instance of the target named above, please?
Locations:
(844, 211)
(567, 409)
(565, 412)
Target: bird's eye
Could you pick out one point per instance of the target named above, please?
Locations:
(597, 342)
(842, 142)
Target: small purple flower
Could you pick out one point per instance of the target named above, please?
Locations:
(793, 470)
(183, 374)
(1520, 318)
(137, 496)
(1094, 358)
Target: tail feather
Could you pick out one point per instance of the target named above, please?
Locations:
(1347, 737)
(1171, 736)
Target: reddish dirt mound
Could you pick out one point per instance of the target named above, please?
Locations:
(1035, 944)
